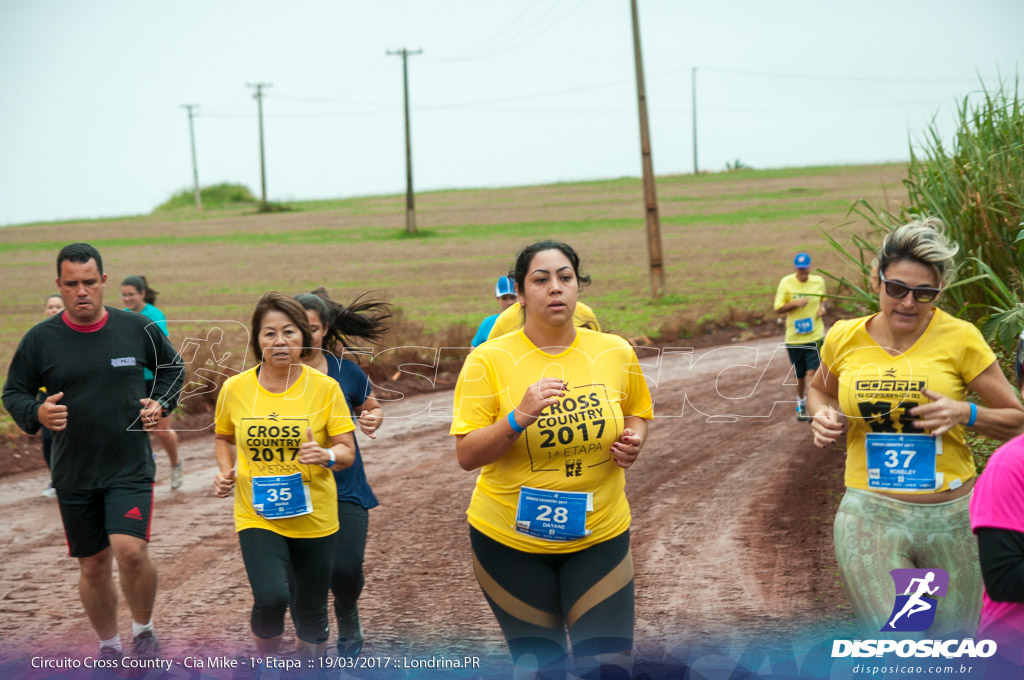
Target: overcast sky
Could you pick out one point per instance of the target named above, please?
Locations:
(505, 92)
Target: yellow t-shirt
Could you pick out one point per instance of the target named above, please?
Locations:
(511, 319)
(567, 449)
(804, 324)
(268, 428)
(876, 389)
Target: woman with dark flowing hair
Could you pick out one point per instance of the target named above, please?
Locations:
(333, 326)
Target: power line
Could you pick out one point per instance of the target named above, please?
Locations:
(378, 67)
(481, 107)
(371, 80)
(539, 95)
(840, 107)
(464, 56)
(555, 22)
(822, 77)
(592, 87)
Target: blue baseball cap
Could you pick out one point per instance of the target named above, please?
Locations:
(802, 261)
(504, 286)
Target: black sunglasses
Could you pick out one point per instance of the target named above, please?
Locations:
(895, 289)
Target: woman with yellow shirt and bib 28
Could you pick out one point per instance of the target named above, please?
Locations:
(553, 415)
(899, 378)
(281, 428)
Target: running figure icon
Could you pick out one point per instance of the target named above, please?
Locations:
(916, 603)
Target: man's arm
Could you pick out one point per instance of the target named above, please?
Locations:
(23, 383)
(791, 305)
(783, 303)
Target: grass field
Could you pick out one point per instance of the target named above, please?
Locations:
(727, 239)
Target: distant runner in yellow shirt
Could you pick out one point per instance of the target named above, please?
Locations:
(801, 297)
(512, 320)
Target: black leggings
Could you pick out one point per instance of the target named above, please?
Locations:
(269, 558)
(536, 596)
(347, 574)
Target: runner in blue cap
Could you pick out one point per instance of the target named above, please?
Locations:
(801, 297)
(505, 292)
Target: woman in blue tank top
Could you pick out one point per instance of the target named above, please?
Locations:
(332, 325)
(137, 296)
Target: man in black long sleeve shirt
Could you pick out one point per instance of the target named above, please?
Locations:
(90, 359)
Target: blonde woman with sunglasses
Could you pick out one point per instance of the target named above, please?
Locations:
(898, 381)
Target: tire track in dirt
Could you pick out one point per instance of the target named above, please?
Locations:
(731, 530)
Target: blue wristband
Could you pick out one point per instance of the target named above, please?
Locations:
(974, 415)
(516, 427)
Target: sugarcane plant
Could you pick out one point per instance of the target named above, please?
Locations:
(975, 185)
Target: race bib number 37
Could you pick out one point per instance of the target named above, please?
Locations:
(553, 515)
(902, 462)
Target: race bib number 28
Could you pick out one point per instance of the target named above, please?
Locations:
(553, 515)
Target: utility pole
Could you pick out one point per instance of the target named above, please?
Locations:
(650, 196)
(195, 167)
(258, 96)
(693, 88)
(410, 207)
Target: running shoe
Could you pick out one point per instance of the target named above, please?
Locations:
(110, 653)
(49, 491)
(176, 477)
(145, 646)
(801, 412)
(350, 635)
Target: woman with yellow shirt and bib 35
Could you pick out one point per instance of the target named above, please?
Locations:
(553, 415)
(281, 428)
(899, 378)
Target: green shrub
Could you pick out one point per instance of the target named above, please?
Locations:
(976, 186)
(213, 197)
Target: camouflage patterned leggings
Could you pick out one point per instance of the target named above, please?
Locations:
(875, 534)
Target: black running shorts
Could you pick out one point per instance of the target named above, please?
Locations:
(91, 515)
(805, 358)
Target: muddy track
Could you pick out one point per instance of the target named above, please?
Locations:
(732, 508)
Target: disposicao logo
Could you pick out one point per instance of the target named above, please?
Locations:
(917, 591)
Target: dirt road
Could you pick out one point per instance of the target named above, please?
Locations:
(732, 509)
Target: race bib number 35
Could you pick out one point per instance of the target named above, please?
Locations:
(902, 462)
(553, 515)
(280, 497)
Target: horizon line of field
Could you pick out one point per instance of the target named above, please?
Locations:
(362, 233)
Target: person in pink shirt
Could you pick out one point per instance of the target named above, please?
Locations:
(997, 518)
